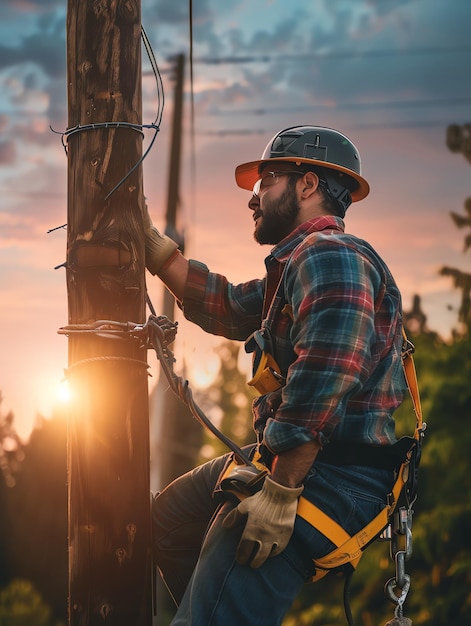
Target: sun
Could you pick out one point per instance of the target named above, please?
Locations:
(63, 393)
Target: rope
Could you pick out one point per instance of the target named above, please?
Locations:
(97, 359)
(109, 329)
(158, 332)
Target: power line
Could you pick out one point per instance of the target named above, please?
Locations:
(328, 56)
(367, 126)
(321, 56)
(455, 101)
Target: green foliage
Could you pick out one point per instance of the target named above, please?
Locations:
(11, 447)
(22, 605)
(34, 518)
(440, 564)
(232, 397)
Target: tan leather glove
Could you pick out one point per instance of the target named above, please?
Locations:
(159, 248)
(270, 515)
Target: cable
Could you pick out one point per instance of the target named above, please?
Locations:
(136, 127)
(192, 116)
(159, 114)
(346, 597)
(159, 328)
(328, 56)
(348, 106)
(366, 126)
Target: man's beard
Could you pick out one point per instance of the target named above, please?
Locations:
(278, 218)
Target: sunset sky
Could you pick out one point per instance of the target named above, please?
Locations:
(391, 74)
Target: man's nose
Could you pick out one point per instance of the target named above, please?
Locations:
(254, 202)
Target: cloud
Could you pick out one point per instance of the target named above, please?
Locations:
(45, 47)
(415, 181)
(7, 152)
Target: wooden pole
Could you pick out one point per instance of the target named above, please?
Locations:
(108, 441)
(180, 435)
(173, 189)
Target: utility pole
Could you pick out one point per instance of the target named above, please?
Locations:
(108, 442)
(179, 435)
(173, 189)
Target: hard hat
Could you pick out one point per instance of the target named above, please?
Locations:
(314, 145)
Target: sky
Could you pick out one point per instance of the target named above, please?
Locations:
(390, 74)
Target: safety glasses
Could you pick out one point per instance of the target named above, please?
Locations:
(271, 178)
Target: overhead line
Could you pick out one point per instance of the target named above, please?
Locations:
(327, 56)
(456, 101)
(346, 54)
(369, 126)
(341, 106)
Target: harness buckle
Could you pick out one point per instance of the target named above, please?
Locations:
(408, 348)
(267, 375)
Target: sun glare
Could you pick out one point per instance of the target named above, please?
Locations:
(63, 393)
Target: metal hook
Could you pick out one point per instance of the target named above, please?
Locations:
(389, 590)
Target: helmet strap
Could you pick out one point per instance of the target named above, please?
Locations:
(339, 195)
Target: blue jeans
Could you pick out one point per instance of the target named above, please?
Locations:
(196, 555)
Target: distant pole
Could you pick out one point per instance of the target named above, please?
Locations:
(108, 442)
(173, 189)
(179, 435)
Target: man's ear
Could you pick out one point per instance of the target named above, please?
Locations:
(310, 184)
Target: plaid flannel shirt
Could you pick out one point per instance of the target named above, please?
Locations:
(336, 328)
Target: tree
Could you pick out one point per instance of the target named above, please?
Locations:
(458, 140)
(440, 566)
(11, 455)
(228, 400)
(35, 515)
(22, 605)
(11, 447)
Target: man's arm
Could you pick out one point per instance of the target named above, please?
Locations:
(290, 468)
(174, 274)
(269, 515)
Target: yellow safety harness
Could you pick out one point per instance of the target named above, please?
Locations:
(349, 548)
(244, 476)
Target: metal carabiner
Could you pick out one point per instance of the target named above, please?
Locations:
(389, 590)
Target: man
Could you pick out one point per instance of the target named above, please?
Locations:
(325, 328)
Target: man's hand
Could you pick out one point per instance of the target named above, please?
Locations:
(270, 515)
(159, 248)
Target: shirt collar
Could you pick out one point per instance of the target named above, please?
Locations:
(282, 251)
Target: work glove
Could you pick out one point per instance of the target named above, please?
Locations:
(159, 248)
(270, 515)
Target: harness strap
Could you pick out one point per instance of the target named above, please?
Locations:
(349, 548)
(412, 384)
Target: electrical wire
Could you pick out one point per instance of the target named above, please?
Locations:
(192, 112)
(158, 328)
(331, 56)
(155, 125)
(159, 114)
